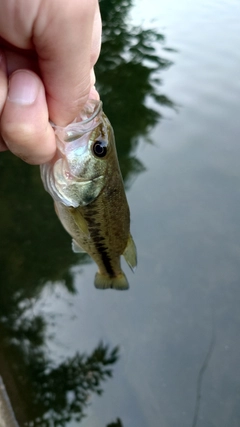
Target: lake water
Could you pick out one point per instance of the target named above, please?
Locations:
(166, 352)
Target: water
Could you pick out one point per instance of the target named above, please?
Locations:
(172, 341)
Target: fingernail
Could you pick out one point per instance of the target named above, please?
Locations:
(23, 88)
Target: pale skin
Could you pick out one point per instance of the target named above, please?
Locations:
(48, 49)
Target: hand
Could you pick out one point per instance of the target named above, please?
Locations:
(47, 53)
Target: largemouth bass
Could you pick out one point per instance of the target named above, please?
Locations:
(85, 181)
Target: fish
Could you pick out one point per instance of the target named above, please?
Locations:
(85, 182)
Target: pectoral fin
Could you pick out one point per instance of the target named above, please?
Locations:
(76, 248)
(79, 220)
(130, 253)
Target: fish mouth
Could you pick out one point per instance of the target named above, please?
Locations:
(95, 178)
(89, 112)
(84, 123)
(75, 178)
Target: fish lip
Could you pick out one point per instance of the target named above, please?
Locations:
(90, 180)
(70, 135)
(95, 112)
(79, 179)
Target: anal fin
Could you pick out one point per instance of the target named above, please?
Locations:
(130, 253)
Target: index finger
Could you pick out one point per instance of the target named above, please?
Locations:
(66, 36)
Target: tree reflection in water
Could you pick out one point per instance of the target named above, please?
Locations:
(127, 76)
(35, 251)
(117, 423)
(31, 255)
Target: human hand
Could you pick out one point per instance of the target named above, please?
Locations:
(47, 53)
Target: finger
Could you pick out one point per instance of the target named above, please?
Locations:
(3, 81)
(24, 123)
(19, 61)
(93, 94)
(67, 47)
(3, 91)
(96, 37)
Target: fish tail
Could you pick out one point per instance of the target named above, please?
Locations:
(105, 282)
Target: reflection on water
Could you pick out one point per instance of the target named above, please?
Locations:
(41, 393)
(126, 79)
(201, 373)
(118, 423)
(32, 240)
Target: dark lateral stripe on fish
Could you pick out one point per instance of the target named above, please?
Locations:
(105, 258)
(99, 242)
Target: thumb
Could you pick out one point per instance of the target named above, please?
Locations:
(24, 122)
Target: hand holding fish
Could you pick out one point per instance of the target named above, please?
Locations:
(47, 53)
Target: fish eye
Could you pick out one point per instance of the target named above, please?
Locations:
(100, 148)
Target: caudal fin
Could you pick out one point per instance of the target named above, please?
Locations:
(105, 282)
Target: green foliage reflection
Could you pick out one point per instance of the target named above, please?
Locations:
(35, 251)
(117, 423)
(62, 393)
(127, 76)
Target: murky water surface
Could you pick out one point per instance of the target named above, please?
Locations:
(166, 352)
